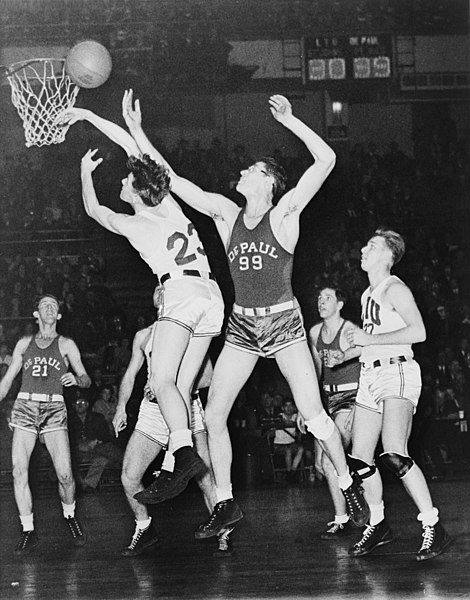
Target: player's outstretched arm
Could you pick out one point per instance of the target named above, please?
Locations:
(115, 133)
(325, 158)
(214, 205)
(101, 214)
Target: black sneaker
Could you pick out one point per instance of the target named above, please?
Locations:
(224, 548)
(77, 531)
(168, 485)
(336, 530)
(28, 541)
(142, 539)
(224, 514)
(435, 541)
(373, 536)
(358, 509)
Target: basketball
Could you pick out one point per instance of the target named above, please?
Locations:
(88, 64)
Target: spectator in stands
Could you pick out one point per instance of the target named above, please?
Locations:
(92, 442)
(286, 439)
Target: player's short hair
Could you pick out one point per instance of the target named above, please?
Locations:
(151, 180)
(341, 295)
(394, 241)
(40, 298)
(275, 170)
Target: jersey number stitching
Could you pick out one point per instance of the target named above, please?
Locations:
(181, 257)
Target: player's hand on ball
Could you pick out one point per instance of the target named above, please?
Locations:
(280, 107)
(88, 164)
(131, 110)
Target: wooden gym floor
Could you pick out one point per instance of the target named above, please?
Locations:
(277, 554)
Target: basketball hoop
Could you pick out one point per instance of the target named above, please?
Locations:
(41, 90)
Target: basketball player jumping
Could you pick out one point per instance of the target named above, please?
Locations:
(266, 320)
(40, 411)
(192, 305)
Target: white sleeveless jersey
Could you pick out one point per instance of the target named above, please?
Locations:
(176, 244)
(377, 317)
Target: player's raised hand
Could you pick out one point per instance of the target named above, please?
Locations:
(88, 163)
(131, 110)
(71, 116)
(280, 107)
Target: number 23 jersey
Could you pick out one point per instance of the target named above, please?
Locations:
(43, 368)
(176, 242)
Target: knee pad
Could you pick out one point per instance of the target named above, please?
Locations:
(322, 427)
(397, 463)
(363, 469)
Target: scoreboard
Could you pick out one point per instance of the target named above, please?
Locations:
(353, 57)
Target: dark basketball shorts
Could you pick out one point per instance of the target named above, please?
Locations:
(265, 335)
(339, 401)
(38, 416)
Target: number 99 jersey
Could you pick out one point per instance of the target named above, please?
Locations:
(261, 268)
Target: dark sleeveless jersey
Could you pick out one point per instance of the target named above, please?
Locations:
(43, 368)
(347, 372)
(261, 268)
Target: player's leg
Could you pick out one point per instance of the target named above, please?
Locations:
(296, 364)
(366, 431)
(58, 445)
(140, 452)
(231, 371)
(341, 525)
(397, 423)
(22, 448)
(187, 463)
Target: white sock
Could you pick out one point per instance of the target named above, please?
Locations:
(377, 513)
(144, 524)
(344, 481)
(222, 494)
(429, 518)
(27, 522)
(69, 509)
(341, 519)
(180, 438)
(168, 463)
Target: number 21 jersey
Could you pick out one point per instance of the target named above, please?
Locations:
(43, 368)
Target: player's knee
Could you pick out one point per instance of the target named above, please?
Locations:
(20, 474)
(65, 478)
(321, 426)
(397, 463)
(359, 466)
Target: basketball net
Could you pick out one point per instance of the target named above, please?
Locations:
(41, 90)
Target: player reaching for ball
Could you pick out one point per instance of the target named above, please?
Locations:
(193, 308)
(260, 240)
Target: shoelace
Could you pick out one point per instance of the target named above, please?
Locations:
(24, 540)
(74, 527)
(428, 538)
(367, 533)
(212, 518)
(135, 538)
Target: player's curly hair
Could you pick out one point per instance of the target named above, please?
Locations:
(273, 168)
(151, 180)
(394, 241)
